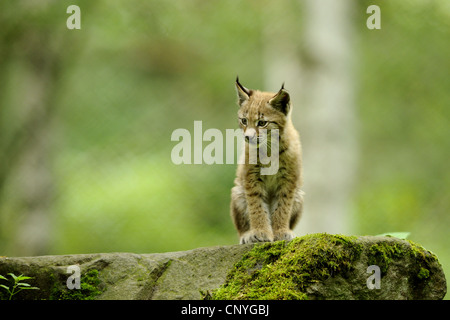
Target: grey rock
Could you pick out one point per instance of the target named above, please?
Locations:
(185, 274)
(128, 276)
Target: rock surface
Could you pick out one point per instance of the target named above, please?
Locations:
(407, 271)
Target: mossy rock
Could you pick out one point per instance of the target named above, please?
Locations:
(317, 266)
(125, 276)
(324, 266)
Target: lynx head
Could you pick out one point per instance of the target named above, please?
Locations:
(261, 112)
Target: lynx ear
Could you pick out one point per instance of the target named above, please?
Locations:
(242, 92)
(281, 101)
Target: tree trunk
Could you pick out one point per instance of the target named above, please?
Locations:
(327, 116)
(317, 68)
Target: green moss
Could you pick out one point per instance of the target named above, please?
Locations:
(424, 260)
(381, 254)
(89, 288)
(281, 270)
(423, 256)
(423, 273)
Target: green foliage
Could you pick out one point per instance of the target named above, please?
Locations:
(17, 285)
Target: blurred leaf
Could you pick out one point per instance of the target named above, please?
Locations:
(13, 276)
(23, 284)
(29, 288)
(400, 235)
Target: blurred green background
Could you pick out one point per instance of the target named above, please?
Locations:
(86, 118)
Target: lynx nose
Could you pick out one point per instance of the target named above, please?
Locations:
(250, 135)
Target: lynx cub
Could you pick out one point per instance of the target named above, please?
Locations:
(267, 207)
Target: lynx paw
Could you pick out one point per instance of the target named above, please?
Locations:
(287, 235)
(254, 236)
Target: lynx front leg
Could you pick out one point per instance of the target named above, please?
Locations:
(258, 215)
(282, 217)
(238, 209)
(250, 219)
(260, 230)
(250, 214)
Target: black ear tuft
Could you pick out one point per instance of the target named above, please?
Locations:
(281, 101)
(243, 93)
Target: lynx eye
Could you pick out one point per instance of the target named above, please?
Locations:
(262, 123)
(244, 121)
